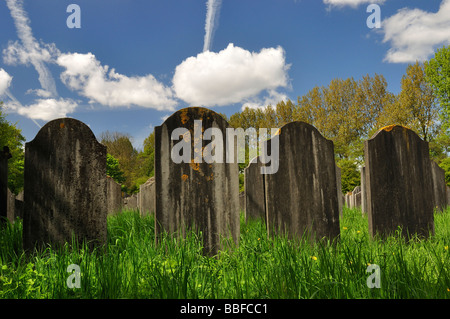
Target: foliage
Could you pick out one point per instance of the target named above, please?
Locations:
(350, 175)
(11, 136)
(120, 147)
(113, 169)
(415, 105)
(437, 71)
(445, 165)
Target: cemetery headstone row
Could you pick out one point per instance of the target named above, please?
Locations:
(67, 192)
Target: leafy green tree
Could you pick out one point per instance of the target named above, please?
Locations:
(350, 175)
(437, 71)
(120, 147)
(417, 101)
(445, 165)
(11, 136)
(113, 169)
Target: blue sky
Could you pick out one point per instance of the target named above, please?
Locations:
(132, 63)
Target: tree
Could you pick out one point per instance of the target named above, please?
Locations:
(11, 136)
(120, 147)
(113, 169)
(437, 71)
(445, 165)
(350, 175)
(417, 99)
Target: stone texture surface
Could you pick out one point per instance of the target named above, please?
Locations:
(4, 157)
(340, 195)
(114, 194)
(301, 197)
(254, 190)
(398, 183)
(147, 197)
(131, 202)
(439, 187)
(363, 191)
(202, 195)
(65, 186)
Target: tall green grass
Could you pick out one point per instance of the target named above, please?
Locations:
(133, 266)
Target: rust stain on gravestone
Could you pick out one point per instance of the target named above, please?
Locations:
(399, 185)
(208, 197)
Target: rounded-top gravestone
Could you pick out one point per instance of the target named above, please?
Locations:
(65, 188)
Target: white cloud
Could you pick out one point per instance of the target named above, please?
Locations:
(29, 50)
(5, 81)
(229, 76)
(273, 99)
(414, 34)
(46, 109)
(84, 74)
(351, 3)
(39, 92)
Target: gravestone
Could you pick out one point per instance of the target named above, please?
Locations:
(242, 202)
(347, 199)
(447, 192)
(254, 190)
(147, 197)
(339, 189)
(399, 183)
(439, 187)
(191, 189)
(65, 186)
(301, 197)
(4, 157)
(356, 197)
(114, 194)
(131, 202)
(18, 202)
(11, 201)
(363, 191)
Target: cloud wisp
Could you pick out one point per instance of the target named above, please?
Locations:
(350, 3)
(212, 19)
(29, 50)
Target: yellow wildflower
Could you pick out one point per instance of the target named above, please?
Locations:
(313, 257)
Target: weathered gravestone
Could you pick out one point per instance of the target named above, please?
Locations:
(4, 156)
(254, 190)
(114, 195)
(131, 202)
(399, 183)
(242, 202)
(439, 187)
(191, 189)
(65, 186)
(355, 199)
(340, 195)
(11, 204)
(363, 191)
(301, 197)
(147, 197)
